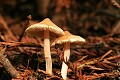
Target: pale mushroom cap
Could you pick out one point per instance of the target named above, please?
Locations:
(38, 28)
(68, 37)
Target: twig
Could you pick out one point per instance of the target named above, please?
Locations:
(7, 65)
(8, 31)
(25, 25)
(113, 57)
(105, 55)
(108, 62)
(95, 75)
(116, 29)
(81, 77)
(93, 67)
(88, 63)
(82, 58)
(51, 75)
(115, 3)
(20, 44)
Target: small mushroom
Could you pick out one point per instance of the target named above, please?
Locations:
(45, 29)
(67, 40)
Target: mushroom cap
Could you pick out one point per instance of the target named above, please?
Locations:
(68, 37)
(38, 28)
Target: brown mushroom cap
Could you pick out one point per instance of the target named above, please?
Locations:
(68, 37)
(38, 28)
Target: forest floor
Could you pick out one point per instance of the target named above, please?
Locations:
(98, 58)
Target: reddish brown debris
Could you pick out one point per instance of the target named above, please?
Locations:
(95, 20)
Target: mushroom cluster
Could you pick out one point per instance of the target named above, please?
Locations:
(47, 28)
(67, 40)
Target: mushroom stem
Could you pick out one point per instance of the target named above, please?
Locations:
(66, 58)
(47, 52)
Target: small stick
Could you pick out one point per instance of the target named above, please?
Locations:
(25, 25)
(105, 55)
(7, 65)
(94, 76)
(81, 77)
(49, 75)
(113, 57)
(8, 31)
(20, 44)
(115, 3)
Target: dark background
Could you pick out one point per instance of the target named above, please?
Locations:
(81, 17)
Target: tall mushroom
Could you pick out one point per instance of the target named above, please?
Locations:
(44, 29)
(67, 40)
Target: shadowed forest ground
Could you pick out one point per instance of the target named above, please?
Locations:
(98, 21)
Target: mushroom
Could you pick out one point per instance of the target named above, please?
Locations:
(45, 29)
(67, 40)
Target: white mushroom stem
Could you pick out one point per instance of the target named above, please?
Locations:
(66, 58)
(47, 52)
